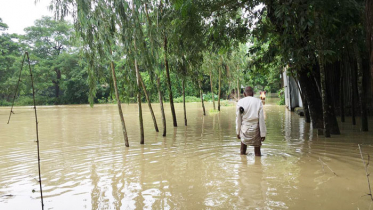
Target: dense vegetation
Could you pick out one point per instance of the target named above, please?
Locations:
(144, 50)
(62, 70)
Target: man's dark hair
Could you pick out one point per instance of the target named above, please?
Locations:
(249, 91)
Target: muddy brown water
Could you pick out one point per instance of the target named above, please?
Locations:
(85, 164)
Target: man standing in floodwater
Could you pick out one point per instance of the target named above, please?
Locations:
(250, 125)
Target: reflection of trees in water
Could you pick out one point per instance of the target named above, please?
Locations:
(288, 125)
(95, 193)
(282, 178)
(118, 182)
(252, 187)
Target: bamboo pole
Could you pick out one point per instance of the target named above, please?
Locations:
(36, 119)
(14, 97)
(37, 129)
(366, 173)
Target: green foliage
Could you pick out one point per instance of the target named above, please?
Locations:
(248, 42)
(213, 111)
(208, 97)
(9, 58)
(28, 100)
(281, 95)
(59, 76)
(5, 103)
(227, 103)
(187, 99)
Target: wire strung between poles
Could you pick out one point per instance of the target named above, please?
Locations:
(36, 116)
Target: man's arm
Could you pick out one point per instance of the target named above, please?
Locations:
(238, 121)
(262, 124)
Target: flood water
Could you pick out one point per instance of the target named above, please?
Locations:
(85, 164)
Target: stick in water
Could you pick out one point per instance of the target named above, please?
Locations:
(323, 163)
(36, 118)
(366, 172)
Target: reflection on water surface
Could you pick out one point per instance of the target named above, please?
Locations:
(85, 164)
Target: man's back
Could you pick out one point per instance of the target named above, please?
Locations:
(251, 108)
(250, 125)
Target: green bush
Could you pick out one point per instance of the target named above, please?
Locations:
(208, 97)
(5, 103)
(187, 99)
(213, 111)
(227, 103)
(281, 95)
(29, 101)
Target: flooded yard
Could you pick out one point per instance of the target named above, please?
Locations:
(85, 164)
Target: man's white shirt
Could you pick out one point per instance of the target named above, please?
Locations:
(252, 115)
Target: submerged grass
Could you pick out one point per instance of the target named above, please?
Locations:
(213, 111)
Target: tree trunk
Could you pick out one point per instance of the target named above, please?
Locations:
(229, 82)
(306, 110)
(333, 123)
(149, 104)
(324, 99)
(185, 117)
(169, 83)
(201, 94)
(119, 105)
(353, 96)
(141, 122)
(238, 89)
(360, 87)
(342, 106)
(230, 91)
(312, 96)
(324, 96)
(369, 32)
(212, 90)
(161, 105)
(219, 89)
(57, 85)
(305, 104)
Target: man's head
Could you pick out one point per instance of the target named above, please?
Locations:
(248, 91)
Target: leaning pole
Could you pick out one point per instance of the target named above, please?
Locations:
(36, 117)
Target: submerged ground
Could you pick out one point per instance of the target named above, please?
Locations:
(85, 164)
